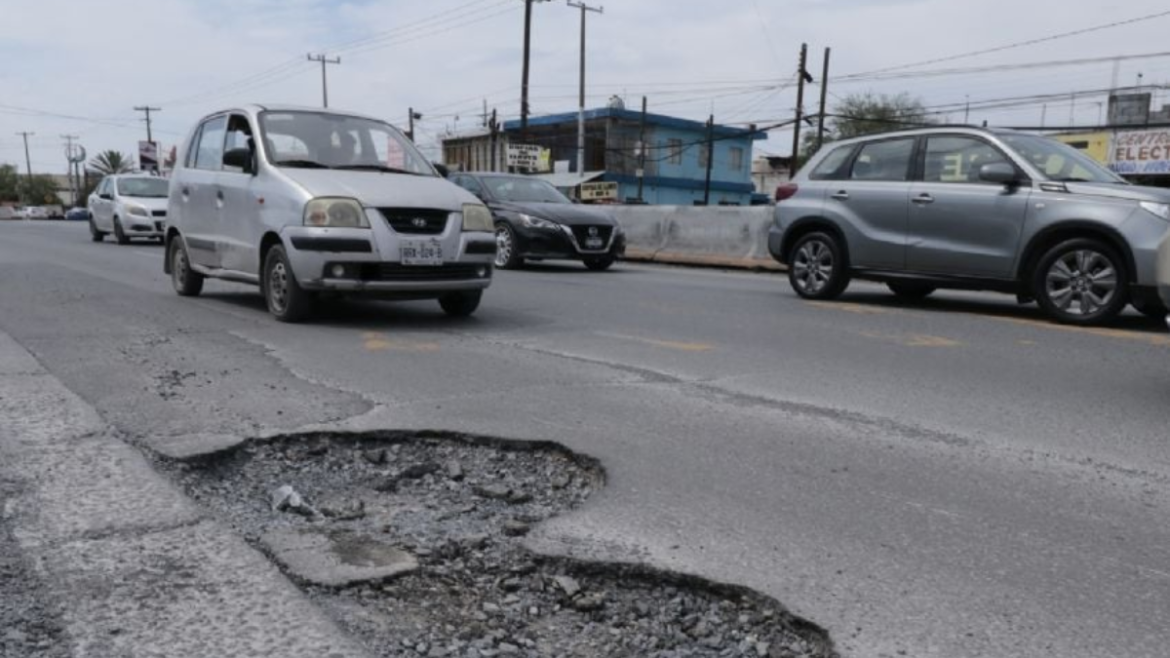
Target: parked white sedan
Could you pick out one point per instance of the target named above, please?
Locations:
(129, 206)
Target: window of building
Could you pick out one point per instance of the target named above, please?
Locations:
(674, 151)
(736, 158)
(704, 155)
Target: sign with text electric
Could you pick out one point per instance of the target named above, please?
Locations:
(1141, 152)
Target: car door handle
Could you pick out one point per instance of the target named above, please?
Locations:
(923, 198)
(841, 196)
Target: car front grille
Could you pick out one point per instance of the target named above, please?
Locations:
(158, 213)
(416, 221)
(395, 272)
(583, 233)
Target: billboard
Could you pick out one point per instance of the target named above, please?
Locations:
(1129, 109)
(528, 156)
(1141, 152)
(147, 156)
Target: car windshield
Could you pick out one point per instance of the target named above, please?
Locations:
(520, 189)
(148, 188)
(322, 140)
(1060, 162)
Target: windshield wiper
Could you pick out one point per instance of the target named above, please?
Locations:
(378, 167)
(303, 164)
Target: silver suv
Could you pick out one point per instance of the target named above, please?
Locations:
(973, 209)
(304, 202)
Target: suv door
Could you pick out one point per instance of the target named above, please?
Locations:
(199, 193)
(959, 224)
(238, 240)
(871, 203)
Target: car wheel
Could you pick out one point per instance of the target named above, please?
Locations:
(94, 233)
(286, 300)
(817, 267)
(460, 304)
(187, 282)
(911, 290)
(507, 255)
(599, 264)
(1081, 281)
(119, 234)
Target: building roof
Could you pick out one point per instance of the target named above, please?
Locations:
(634, 116)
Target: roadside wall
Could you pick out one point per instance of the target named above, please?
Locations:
(732, 236)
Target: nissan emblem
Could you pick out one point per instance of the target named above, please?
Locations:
(593, 231)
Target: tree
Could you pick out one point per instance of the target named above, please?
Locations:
(39, 190)
(111, 162)
(9, 183)
(868, 114)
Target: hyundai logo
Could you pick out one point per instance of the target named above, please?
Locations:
(593, 231)
(418, 222)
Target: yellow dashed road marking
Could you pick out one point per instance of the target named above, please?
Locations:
(1157, 340)
(379, 343)
(915, 340)
(668, 344)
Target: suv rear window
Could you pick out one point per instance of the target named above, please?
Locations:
(887, 160)
(831, 165)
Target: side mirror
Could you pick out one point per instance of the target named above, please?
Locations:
(240, 158)
(999, 172)
(107, 197)
(443, 170)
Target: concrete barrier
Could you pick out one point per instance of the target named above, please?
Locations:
(698, 235)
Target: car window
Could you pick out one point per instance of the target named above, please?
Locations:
(192, 148)
(887, 160)
(831, 165)
(103, 187)
(326, 140)
(958, 159)
(470, 184)
(210, 153)
(1058, 161)
(147, 188)
(239, 136)
(522, 189)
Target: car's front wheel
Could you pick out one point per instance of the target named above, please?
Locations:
(460, 304)
(286, 300)
(507, 251)
(119, 234)
(94, 233)
(817, 267)
(911, 290)
(187, 282)
(1081, 281)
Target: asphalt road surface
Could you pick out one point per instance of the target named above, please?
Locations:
(952, 478)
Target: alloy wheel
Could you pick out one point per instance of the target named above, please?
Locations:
(1081, 282)
(813, 266)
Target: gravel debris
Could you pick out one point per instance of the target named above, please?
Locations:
(462, 507)
(30, 626)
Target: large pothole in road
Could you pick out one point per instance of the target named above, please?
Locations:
(414, 543)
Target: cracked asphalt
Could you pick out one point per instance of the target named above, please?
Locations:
(953, 478)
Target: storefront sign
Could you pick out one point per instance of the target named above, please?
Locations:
(528, 156)
(599, 191)
(1141, 152)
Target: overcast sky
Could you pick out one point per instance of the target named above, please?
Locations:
(91, 62)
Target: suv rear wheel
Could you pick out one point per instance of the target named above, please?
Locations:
(817, 267)
(1082, 281)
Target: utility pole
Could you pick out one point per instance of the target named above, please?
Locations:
(73, 182)
(524, 74)
(147, 110)
(495, 128)
(967, 110)
(413, 117)
(585, 9)
(324, 78)
(801, 75)
(642, 151)
(27, 159)
(1043, 114)
(710, 159)
(824, 100)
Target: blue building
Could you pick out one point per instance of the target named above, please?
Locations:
(674, 168)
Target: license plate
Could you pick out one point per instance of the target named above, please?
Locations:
(594, 243)
(420, 252)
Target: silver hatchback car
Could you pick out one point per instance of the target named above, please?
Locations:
(976, 209)
(305, 202)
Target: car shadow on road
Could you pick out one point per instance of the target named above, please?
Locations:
(1130, 320)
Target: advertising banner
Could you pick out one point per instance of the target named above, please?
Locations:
(1141, 152)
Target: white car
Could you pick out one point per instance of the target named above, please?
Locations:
(304, 201)
(129, 206)
(35, 212)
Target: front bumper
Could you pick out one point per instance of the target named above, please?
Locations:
(135, 226)
(563, 244)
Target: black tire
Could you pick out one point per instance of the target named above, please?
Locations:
(1151, 308)
(119, 234)
(461, 304)
(1086, 271)
(507, 251)
(600, 264)
(911, 291)
(94, 233)
(187, 282)
(817, 268)
(285, 298)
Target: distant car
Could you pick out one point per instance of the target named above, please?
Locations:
(1164, 274)
(53, 211)
(8, 212)
(77, 215)
(303, 202)
(974, 209)
(129, 206)
(535, 221)
(35, 212)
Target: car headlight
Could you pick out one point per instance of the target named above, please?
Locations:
(137, 211)
(1160, 209)
(335, 213)
(477, 217)
(536, 222)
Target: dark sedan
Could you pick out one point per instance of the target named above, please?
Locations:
(534, 221)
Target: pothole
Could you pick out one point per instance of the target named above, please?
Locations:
(414, 544)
